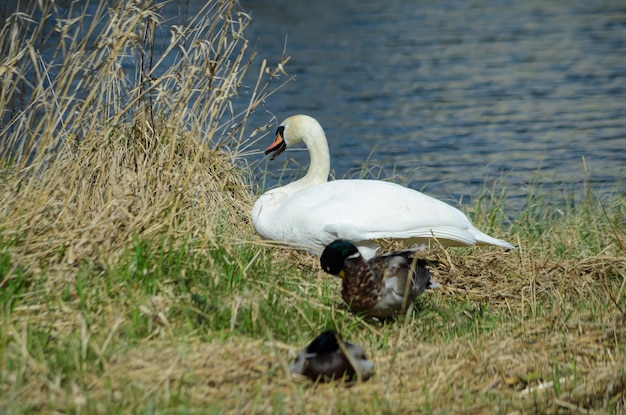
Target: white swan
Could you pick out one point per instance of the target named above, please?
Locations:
(312, 212)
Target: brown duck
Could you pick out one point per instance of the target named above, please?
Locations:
(376, 287)
(329, 358)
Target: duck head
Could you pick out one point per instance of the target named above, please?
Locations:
(328, 358)
(335, 254)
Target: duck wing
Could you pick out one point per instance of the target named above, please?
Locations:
(395, 268)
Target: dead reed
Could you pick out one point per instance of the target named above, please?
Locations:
(131, 279)
(95, 155)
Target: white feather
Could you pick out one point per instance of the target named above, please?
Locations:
(312, 212)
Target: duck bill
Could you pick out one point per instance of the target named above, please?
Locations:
(277, 147)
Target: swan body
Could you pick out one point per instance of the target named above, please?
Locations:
(312, 212)
(324, 360)
(377, 287)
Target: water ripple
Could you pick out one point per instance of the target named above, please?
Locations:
(453, 94)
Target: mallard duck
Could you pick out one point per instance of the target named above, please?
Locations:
(328, 357)
(376, 287)
(312, 212)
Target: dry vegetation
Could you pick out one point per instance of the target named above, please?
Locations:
(132, 280)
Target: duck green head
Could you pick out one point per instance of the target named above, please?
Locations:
(334, 254)
(324, 343)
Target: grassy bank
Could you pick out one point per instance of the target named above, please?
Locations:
(131, 280)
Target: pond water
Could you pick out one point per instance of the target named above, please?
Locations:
(450, 97)
(454, 95)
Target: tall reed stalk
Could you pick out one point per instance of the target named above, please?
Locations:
(106, 135)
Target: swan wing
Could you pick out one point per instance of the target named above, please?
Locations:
(370, 209)
(361, 210)
(365, 210)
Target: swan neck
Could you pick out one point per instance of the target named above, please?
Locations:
(319, 167)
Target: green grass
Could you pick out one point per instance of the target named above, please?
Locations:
(178, 297)
(131, 279)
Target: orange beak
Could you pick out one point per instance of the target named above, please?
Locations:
(277, 147)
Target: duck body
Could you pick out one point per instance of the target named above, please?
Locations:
(312, 212)
(324, 360)
(376, 287)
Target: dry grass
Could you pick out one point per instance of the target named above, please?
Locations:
(542, 344)
(479, 345)
(93, 158)
(132, 280)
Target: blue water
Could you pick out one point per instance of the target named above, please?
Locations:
(454, 95)
(449, 97)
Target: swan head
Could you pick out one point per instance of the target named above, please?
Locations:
(335, 254)
(295, 129)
